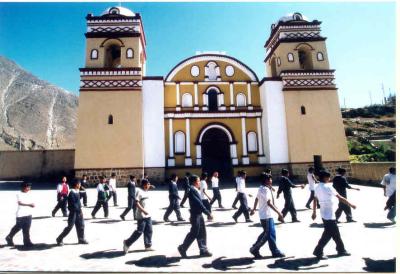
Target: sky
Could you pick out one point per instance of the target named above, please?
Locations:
(47, 39)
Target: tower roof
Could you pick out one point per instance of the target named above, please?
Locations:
(296, 16)
(118, 11)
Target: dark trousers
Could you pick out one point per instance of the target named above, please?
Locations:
(82, 195)
(185, 196)
(207, 204)
(74, 218)
(289, 207)
(347, 210)
(197, 232)
(244, 208)
(113, 194)
(236, 200)
(99, 204)
(61, 203)
(23, 223)
(173, 206)
(391, 205)
(269, 235)
(331, 230)
(145, 227)
(217, 196)
(131, 205)
(312, 195)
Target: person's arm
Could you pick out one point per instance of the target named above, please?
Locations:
(350, 187)
(26, 204)
(314, 207)
(254, 207)
(279, 190)
(200, 204)
(205, 193)
(274, 208)
(345, 201)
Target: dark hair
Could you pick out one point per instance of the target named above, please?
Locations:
(113, 174)
(84, 175)
(392, 170)
(311, 169)
(188, 174)
(25, 184)
(101, 177)
(268, 170)
(132, 177)
(341, 170)
(193, 178)
(265, 177)
(173, 176)
(204, 176)
(75, 183)
(323, 174)
(145, 181)
(284, 171)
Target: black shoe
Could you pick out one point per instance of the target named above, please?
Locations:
(59, 242)
(122, 217)
(65, 215)
(278, 255)
(249, 221)
(94, 217)
(166, 219)
(351, 221)
(320, 256)
(295, 221)
(53, 214)
(221, 206)
(234, 218)
(205, 253)
(234, 207)
(29, 245)
(343, 253)
(115, 204)
(307, 206)
(83, 242)
(182, 252)
(182, 206)
(9, 241)
(255, 253)
(181, 219)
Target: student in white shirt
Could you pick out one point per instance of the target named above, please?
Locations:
(215, 188)
(389, 188)
(241, 189)
(203, 192)
(325, 194)
(24, 216)
(237, 178)
(311, 180)
(265, 200)
(112, 183)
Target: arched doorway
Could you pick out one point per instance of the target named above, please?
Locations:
(215, 151)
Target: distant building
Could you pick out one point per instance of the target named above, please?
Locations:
(211, 112)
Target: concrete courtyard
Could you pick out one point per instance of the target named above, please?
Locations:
(371, 240)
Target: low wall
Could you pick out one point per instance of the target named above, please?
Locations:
(36, 163)
(372, 172)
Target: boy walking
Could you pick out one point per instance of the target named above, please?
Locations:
(82, 190)
(285, 186)
(131, 197)
(173, 199)
(340, 184)
(101, 198)
(75, 216)
(24, 216)
(215, 188)
(241, 189)
(186, 186)
(198, 229)
(265, 200)
(325, 195)
(112, 183)
(62, 194)
(311, 180)
(389, 190)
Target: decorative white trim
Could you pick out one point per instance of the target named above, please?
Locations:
(262, 160)
(235, 161)
(187, 138)
(231, 93)
(188, 162)
(229, 71)
(195, 71)
(198, 151)
(244, 139)
(171, 162)
(196, 94)
(212, 115)
(248, 94)
(245, 160)
(308, 73)
(227, 59)
(198, 162)
(233, 150)
(259, 137)
(122, 72)
(224, 129)
(178, 95)
(171, 139)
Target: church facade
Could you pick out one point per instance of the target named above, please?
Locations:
(210, 112)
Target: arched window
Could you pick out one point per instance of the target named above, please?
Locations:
(179, 142)
(129, 53)
(113, 56)
(213, 100)
(290, 57)
(320, 56)
(303, 110)
(273, 67)
(252, 141)
(94, 54)
(241, 100)
(305, 58)
(110, 119)
(187, 100)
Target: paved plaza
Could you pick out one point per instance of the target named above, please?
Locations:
(371, 240)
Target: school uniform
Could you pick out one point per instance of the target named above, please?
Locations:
(244, 208)
(340, 184)
(173, 202)
(198, 227)
(264, 195)
(23, 219)
(237, 194)
(326, 196)
(131, 200)
(204, 198)
(216, 192)
(112, 184)
(144, 222)
(101, 200)
(186, 186)
(75, 218)
(285, 186)
(389, 180)
(62, 196)
(311, 187)
(82, 191)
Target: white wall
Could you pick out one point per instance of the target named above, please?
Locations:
(153, 123)
(274, 122)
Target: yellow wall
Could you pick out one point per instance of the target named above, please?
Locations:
(320, 131)
(100, 145)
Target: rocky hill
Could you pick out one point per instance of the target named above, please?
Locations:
(34, 114)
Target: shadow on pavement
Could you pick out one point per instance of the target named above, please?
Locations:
(380, 265)
(220, 224)
(105, 254)
(222, 209)
(302, 209)
(106, 221)
(155, 261)
(317, 225)
(35, 247)
(379, 225)
(41, 217)
(230, 264)
(297, 264)
(177, 223)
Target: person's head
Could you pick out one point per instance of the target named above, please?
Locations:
(64, 179)
(25, 187)
(113, 175)
(132, 178)
(311, 169)
(84, 177)
(215, 174)
(324, 176)
(188, 174)
(392, 170)
(103, 179)
(266, 179)
(341, 171)
(243, 174)
(268, 171)
(285, 172)
(204, 176)
(194, 180)
(145, 184)
(76, 184)
(174, 177)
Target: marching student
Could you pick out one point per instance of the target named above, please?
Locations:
(143, 217)
(325, 194)
(75, 216)
(131, 197)
(203, 192)
(101, 198)
(265, 199)
(285, 186)
(241, 189)
(82, 190)
(198, 227)
(24, 216)
(62, 194)
(173, 199)
(215, 188)
(340, 184)
(237, 178)
(186, 186)
(112, 184)
(389, 190)
(311, 180)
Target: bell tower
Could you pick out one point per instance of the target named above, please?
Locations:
(300, 87)
(109, 134)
